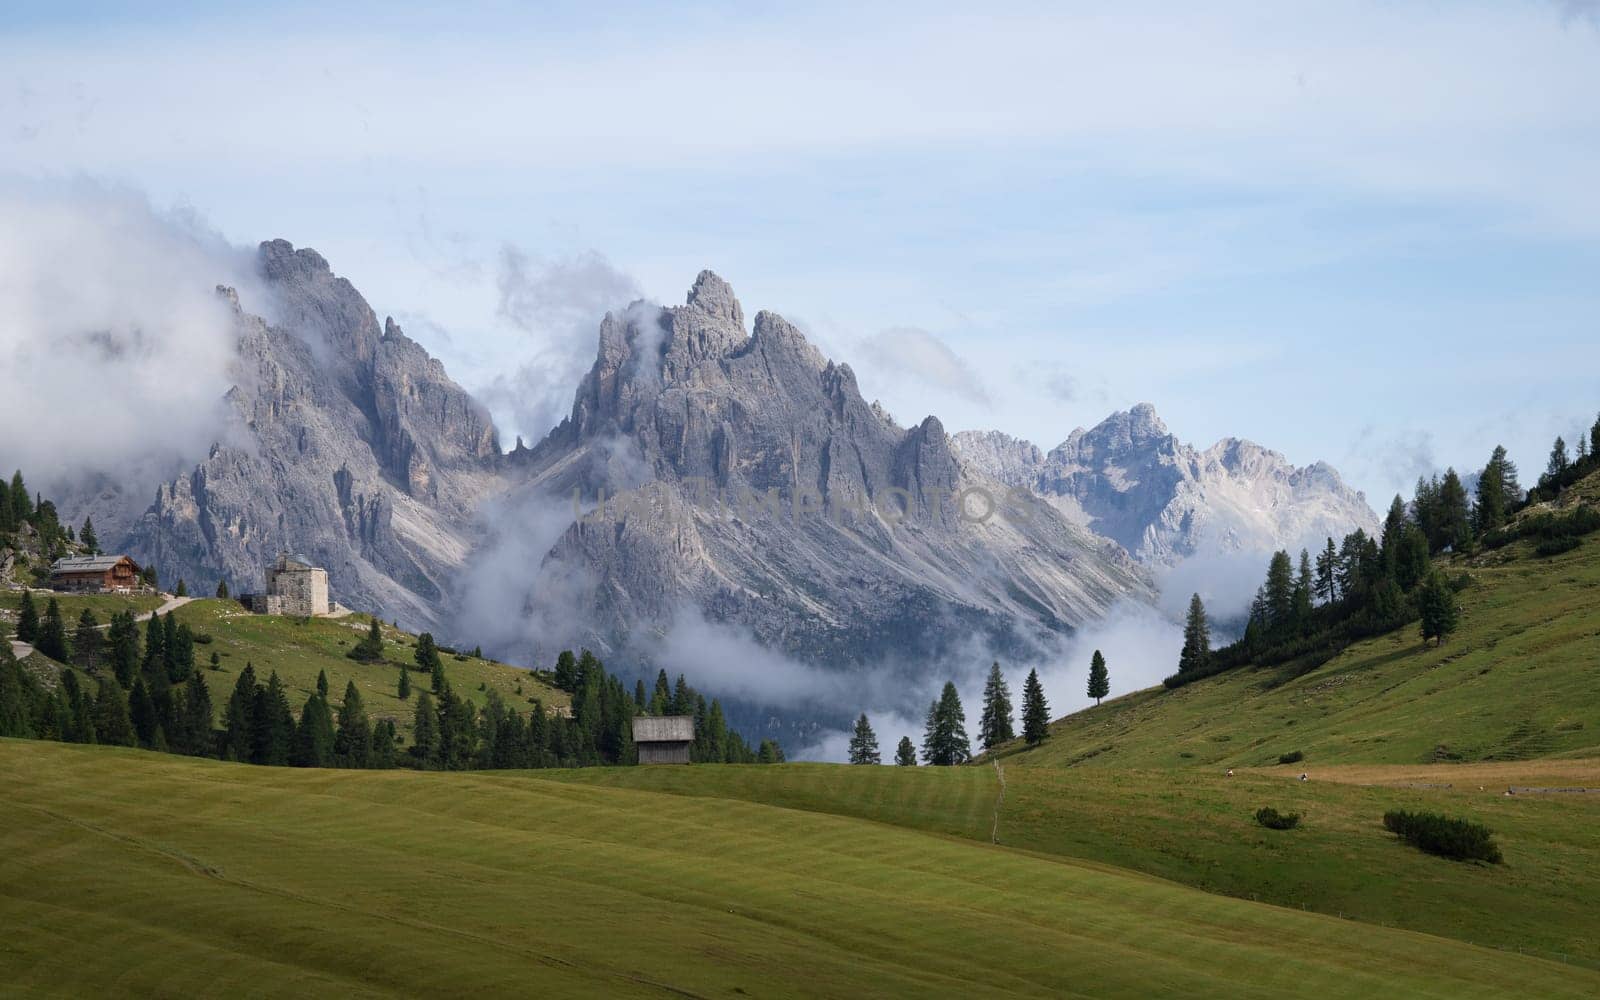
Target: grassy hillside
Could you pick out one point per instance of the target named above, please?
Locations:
(134, 873)
(72, 605)
(1198, 827)
(1520, 679)
(297, 648)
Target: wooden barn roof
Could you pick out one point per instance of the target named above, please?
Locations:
(663, 728)
(87, 564)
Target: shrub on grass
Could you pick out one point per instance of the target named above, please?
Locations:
(1272, 819)
(1556, 546)
(1448, 837)
(1292, 757)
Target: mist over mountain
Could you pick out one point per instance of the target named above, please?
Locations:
(1130, 479)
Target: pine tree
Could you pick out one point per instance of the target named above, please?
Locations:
(222, 590)
(143, 713)
(1196, 639)
(322, 683)
(1455, 515)
(1394, 525)
(1489, 512)
(313, 737)
(661, 697)
(994, 725)
(640, 699)
(27, 618)
(198, 738)
(1594, 438)
(1327, 573)
(238, 717)
(905, 755)
(113, 726)
(87, 642)
(684, 698)
(154, 645)
(182, 589)
(1099, 678)
(77, 710)
(370, 648)
(385, 744)
(566, 678)
(273, 739)
(21, 503)
(405, 684)
(427, 655)
(8, 522)
(946, 734)
(1437, 604)
(122, 641)
(1411, 562)
(352, 740)
(1035, 710)
(864, 743)
(52, 641)
(87, 537)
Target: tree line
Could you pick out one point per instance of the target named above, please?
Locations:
(944, 735)
(151, 695)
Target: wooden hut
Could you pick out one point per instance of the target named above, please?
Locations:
(663, 739)
(95, 574)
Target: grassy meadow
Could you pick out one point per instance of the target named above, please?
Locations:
(123, 872)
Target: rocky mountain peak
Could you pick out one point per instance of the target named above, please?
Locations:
(715, 297)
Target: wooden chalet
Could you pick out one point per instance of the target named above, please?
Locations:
(95, 574)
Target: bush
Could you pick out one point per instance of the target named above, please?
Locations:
(1272, 819)
(1556, 546)
(204, 638)
(1292, 757)
(1457, 839)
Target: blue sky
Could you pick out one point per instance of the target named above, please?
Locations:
(1367, 233)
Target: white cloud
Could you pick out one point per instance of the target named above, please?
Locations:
(117, 346)
(907, 352)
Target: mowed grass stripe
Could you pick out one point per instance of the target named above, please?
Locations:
(499, 885)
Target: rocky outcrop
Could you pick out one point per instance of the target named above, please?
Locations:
(756, 485)
(348, 443)
(1131, 480)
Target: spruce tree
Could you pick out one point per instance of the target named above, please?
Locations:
(113, 725)
(87, 642)
(370, 648)
(1303, 586)
(222, 589)
(864, 743)
(27, 618)
(946, 742)
(52, 641)
(21, 502)
(994, 725)
(1196, 638)
(1455, 514)
(404, 691)
(1099, 677)
(313, 737)
(566, 678)
(143, 713)
(1394, 525)
(905, 755)
(1556, 470)
(385, 744)
(77, 710)
(1411, 562)
(322, 683)
(182, 589)
(1594, 438)
(198, 738)
(238, 718)
(661, 696)
(154, 645)
(1489, 512)
(122, 641)
(87, 537)
(352, 740)
(1035, 711)
(1437, 604)
(427, 655)
(274, 725)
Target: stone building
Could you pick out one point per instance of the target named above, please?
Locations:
(294, 587)
(663, 739)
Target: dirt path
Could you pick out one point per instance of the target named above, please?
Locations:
(172, 604)
(20, 649)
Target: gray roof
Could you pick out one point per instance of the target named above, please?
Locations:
(663, 729)
(85, 564)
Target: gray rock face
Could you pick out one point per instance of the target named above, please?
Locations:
(349, 443)
(757, 484)
(1131, 480)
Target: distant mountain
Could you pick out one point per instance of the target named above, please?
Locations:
(347, 443)
(1131, 480)
(685, 404)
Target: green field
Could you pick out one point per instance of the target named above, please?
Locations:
(72, 605)
(124, 872)
(1521, 679)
